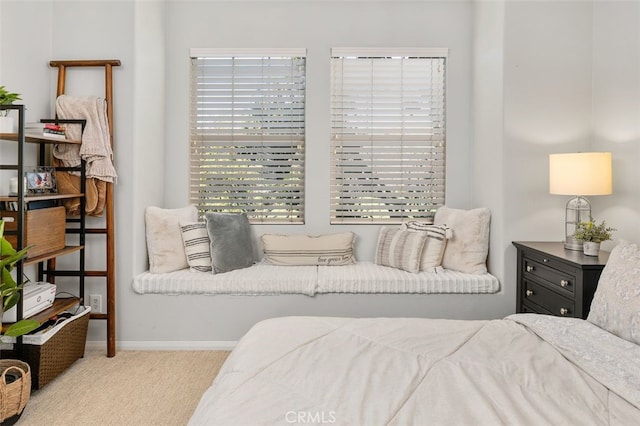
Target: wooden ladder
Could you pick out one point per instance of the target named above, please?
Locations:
(109, 230)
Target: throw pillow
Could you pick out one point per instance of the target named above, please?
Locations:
(616, 303)
(231, 244)
(467, 249)
(400, 249)
(328, 249)
(196, 245)
(164, 239)
(434, 245)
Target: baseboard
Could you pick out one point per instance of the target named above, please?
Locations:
(166, 345)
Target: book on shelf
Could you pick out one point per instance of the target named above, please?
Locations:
(54, 131)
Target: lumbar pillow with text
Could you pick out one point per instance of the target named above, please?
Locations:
(616, 303)
(231, 243)
(400, 249)
(164, 238)
(435, 244)
(467, 249)
(293, 249)
(196, 245)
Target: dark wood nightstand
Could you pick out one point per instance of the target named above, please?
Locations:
(556, 281)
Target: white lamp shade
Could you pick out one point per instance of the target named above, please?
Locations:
(583, 173)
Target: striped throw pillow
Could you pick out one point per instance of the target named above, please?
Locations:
(400, 249)
(196, 245)
(434, 247)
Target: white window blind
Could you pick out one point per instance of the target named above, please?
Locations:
(387, 134)
(248, 132)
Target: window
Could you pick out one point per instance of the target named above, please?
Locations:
(248, 132)
(387, 134)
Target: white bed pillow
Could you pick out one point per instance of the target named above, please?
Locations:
(468, 247)
(616, 303)
(164, 238)
(400, 249)
(296, 249)
(195, 239)
(435, 243)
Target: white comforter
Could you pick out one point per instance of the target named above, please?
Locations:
(523, 370)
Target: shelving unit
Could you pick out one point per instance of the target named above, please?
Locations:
(22, 200)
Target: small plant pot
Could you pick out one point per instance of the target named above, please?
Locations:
(590, 248)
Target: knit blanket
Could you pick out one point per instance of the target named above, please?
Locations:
(96, 141)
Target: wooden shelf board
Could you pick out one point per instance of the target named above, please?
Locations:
(36, 138)
(60, 304)
(41, 197)
(53, 254)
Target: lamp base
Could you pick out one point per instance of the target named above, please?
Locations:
(578, 210)
(571, 243)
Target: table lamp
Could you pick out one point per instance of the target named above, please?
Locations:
(579, 174)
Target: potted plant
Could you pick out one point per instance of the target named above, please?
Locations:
(15, 375)
(6, 98)
(592, 234)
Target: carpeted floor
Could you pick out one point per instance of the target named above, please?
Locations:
(132, 388)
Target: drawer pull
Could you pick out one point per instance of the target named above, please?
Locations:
(564, 283)
(529, 293)
(564, 311)
(530, 268)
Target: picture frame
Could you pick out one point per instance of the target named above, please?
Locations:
(40, 180)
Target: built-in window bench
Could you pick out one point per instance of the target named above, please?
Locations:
(360, 277)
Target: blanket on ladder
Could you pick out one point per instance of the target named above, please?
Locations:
(95, 150)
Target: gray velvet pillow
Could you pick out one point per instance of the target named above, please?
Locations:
(231, 243)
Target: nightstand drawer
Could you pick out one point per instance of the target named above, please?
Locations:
(549, 300)
(563, 280)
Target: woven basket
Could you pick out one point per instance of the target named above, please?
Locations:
(62, 349)
(14, 396)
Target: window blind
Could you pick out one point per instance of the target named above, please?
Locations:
(387, 134)
(248, 132)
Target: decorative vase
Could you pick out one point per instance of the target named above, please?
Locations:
(6, 125)
(15, 389)
(590, 248)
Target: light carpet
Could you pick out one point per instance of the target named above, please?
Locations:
(132, 388)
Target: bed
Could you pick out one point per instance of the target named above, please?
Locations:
(520, 370)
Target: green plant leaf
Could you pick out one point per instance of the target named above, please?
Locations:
(22, 327)
(10, 301)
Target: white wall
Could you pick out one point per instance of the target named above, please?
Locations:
(525, 79)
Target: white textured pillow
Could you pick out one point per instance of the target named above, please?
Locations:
(616, 303)
(434, 246)
(328, 249)
(164, 239)
(400, 249)
(196, 245)
(468, 247)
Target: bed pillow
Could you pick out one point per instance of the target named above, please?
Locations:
(195, 239)
(434, 245)
(327, 250)
(230, 241)
(400, 249)
(164, 239)
(616, 303)
(468, 247)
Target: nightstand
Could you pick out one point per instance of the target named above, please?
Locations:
(556, 281)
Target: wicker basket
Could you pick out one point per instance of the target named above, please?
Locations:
(14, 395)
(54, 351)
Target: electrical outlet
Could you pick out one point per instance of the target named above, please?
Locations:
(95, 300)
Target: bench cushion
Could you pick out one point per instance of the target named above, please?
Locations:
(360, 277)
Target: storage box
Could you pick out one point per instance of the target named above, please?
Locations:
(50, 353)
(44, 229)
